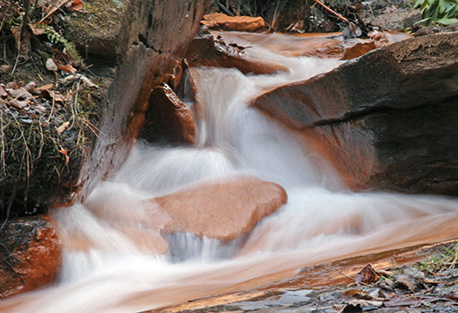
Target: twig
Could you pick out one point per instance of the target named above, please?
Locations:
(332, 11)
(226, 10)
(51, 12)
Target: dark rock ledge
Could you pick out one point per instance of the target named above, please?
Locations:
(387, 120)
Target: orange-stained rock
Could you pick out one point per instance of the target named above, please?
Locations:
(224, 210)
(30, 255)
(168, 118)
(226, 22)
(205, 51)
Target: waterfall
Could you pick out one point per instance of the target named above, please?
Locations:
(111, 240)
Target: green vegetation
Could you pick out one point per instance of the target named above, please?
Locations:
(437, 12)
(444, 260)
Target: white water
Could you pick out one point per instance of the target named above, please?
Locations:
(109, 265)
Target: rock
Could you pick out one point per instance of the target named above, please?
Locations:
(205, 51)
(224, 210)
(158, 34)
(395, 19)
(239, 23)
(386, 120)
(168, 118)
(31, 255)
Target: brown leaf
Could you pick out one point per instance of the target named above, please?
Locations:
(57, 97)
(67, 68)
(3, 92)
(77, 5)
(355, 294)
(367, 275)
(61, 129)
(44, 87)
(37, 31)
(23, 43)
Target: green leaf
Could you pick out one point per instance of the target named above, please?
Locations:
(442, 6)
(448, 21)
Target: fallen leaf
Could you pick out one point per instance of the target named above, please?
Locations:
(355, 294)
(367, 275)
(77, 5)
(5, 68)
(402, 301)
(57, 97)
(44, 87)
(67, 68)
(30, 87)
(62, 128)
(3, 92)
(23, 43)
(36, 30)
(18, 104)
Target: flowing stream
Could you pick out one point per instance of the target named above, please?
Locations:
(108, 265)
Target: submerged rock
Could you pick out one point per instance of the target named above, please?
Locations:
(386, 120)
(223, 210)
(30, 253)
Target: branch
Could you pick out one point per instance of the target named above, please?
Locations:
(332, 11)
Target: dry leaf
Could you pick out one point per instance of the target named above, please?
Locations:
(3, 92)
(44, 87)
(367, 275)
(67, 68)
(77, 5)
(37, 31)
(61, 129)
(57, 97)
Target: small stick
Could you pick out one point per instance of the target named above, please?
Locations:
(332, 11)
(51, 12)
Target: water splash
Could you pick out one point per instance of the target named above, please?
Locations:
(111, 260)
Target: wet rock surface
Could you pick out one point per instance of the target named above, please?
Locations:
(168, 118)
(427, 286)
(386, 119)
(205, 50)
(155, 49)
(223, 210)
(30, 254)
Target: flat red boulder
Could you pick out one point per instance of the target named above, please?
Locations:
(223, 210)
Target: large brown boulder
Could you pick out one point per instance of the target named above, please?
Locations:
(387, 120)
(223, 210)
(31, 255)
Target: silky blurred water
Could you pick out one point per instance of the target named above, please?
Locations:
(109, 259)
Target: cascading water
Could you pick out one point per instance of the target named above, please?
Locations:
(110, 260)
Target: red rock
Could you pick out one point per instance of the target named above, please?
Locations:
(205, 51)
(31, 255)
(240, 23)
(224, 210)
(168, 117)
